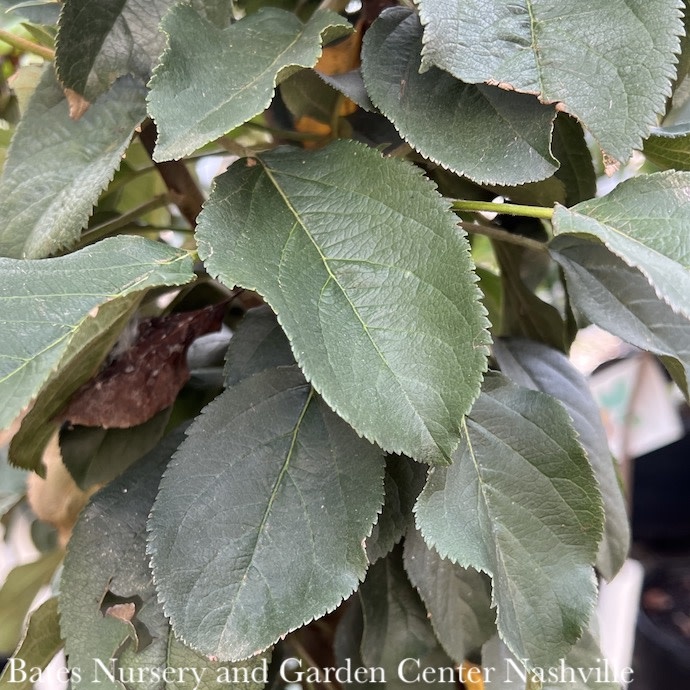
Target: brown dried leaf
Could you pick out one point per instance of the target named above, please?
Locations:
(147, 376)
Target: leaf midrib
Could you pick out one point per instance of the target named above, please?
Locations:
(332, 276)
(274, 492)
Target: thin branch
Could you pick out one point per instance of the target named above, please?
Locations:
(508, 209)
(184, 192)
(26, 45)
(503, 236)
(286, 133)
(98, 232)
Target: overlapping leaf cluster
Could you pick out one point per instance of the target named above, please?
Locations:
(361, 449)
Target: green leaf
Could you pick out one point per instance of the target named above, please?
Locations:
(277, 478)
(669, 147)
(96, 456)
(522, 312)
(582, 669)
(520, 503)
(107, 566)
(607, 62)
(18, 592)
(305, 93)
(577, 167)
(543, 193)
(12, 483)
(351, 85)
(41, 642)
(646, 222)
(347, 642)
(98, 42)
(403, 482)
(193, 104)
(88, 347)
(57, 167)
(458, 599)
(215, 675)
(537, 366)
(485, 133)
(219, 12)
(258, 344)
(44, 303)
(367, 270)
(620, 299)
(396, 628)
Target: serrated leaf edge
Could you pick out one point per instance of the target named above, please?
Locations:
(151, 543)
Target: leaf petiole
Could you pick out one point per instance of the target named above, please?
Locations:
(21, 43)
(501, 235)
(509, 209)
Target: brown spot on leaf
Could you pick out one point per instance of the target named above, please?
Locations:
(147, 376)
(78, 105)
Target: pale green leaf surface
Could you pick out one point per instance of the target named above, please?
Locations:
(520, 503)
(258, 344)
(278, 479)
(40, 643)
(669, 147)
(537, 366)
(88, 347)
(371, 280)
(619, 299)
(44, 303)
(646, 222)
(212, 80)
(396, 627)
(608, 62)
(98, 42)
(458, 599)
(56, 167)
(485, 133)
